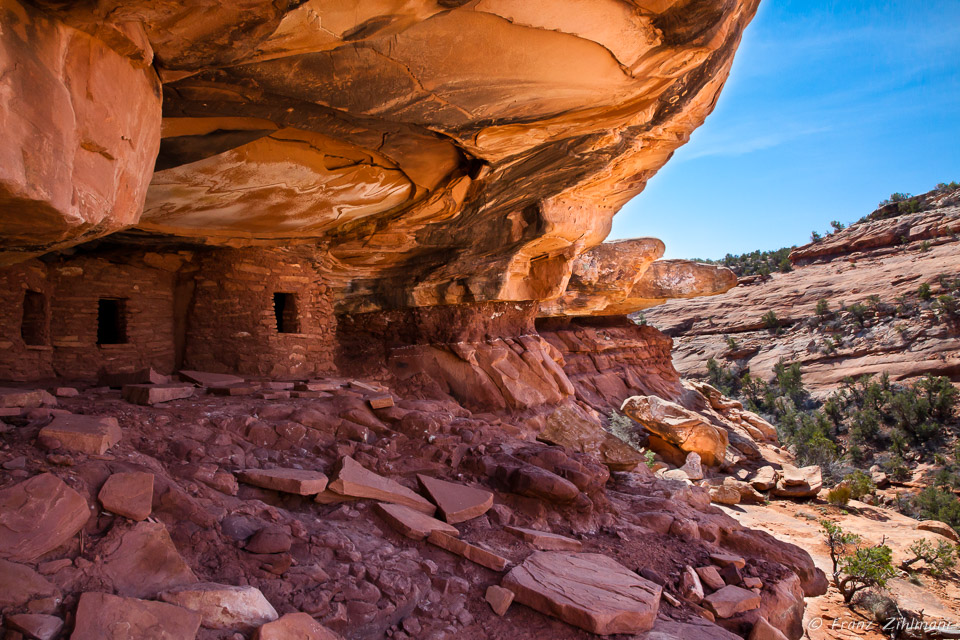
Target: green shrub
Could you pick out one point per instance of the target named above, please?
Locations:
(939, 559)
(785, 266)
(823, 307)
(837, 226)
(732, 343)
(946, 306)
(770, 320)
(859, 312)
(864, 567)
(860, 484)
(937, 503)
(923, 291)
(839, 496)
(815, 237)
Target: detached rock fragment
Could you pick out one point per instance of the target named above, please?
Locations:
(587, 590)
(223, 606)
(86, 434)
(101, 616)
(38, 515)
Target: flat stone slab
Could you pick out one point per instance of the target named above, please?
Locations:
(411, 523)
(456, 502)
(471, 552)
(302, 482)
(65, 392)
(101, 616)
(731, 600)
(711, 577)
(35, 625)
(588, 590)
(145, 562)
(223, 606)
(544, 540)
(22, 398)
(724, 559)
(87, 434)
(295, 626)
(354, 480)
(206, 379)
(317, 385)
(149, 394)
(128, 494)
(278, 385)
(19, 584)
(381, 402)
(38, 515)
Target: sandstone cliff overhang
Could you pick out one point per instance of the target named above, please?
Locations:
(619, 278)
(437, 153)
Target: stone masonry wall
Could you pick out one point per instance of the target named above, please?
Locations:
(72, 289)
(232, 324)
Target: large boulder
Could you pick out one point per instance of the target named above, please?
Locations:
(799, 483)
(679, 426)
(572, 428)
(81, 123)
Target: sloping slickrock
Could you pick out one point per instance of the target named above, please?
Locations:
(38, 515)
(87, 434)
(411, 523)
(145, 562)
(587, 590)
(101, 616)
(678, 426)
(19, 584)
(36, 626)
(570, 427)
(352, 479)
(545, 540)
(148, 394)
(298, 481)
(763, 630)
(731, 600)
(852, 270)
(471, 552)
(223, 606)
(295, 626)
(128, 494)
(456, 502)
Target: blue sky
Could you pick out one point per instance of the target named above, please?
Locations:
(830, 107)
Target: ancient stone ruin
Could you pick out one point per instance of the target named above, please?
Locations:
(282, 278)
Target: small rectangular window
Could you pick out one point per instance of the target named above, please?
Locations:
(285, 309)
(112, 321)
(33, 327)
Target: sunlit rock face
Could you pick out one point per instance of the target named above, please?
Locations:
(618, 278)
(80, 118)
(447, 152)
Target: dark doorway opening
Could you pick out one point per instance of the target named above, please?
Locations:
(285, 308)
(112, 321)
(33, 327)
